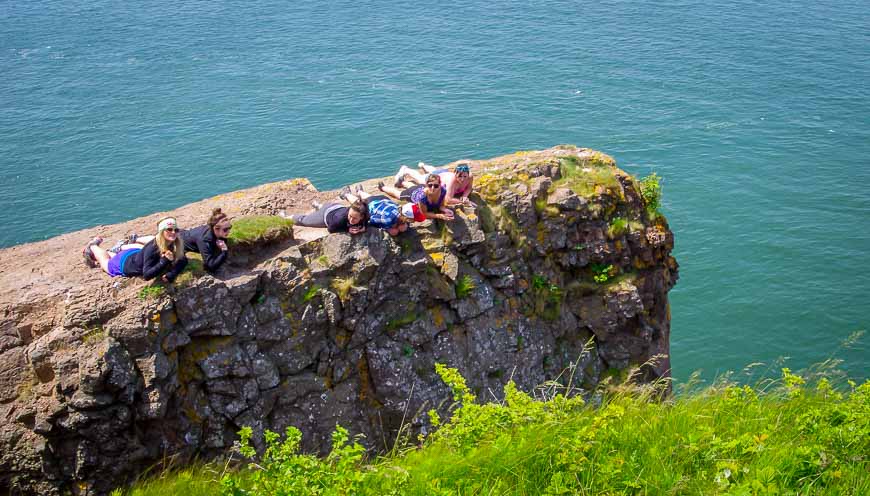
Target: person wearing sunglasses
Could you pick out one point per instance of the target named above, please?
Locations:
(429, 197)
(457, 182)
(209, 240)
(161, 257)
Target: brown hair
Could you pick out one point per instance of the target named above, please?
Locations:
(216, 217)
(361, 207)
(433, 176)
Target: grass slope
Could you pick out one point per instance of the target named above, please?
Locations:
(781, 437)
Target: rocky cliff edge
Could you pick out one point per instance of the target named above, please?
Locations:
(100, 379)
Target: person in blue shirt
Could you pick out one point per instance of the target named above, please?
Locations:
(383, 212)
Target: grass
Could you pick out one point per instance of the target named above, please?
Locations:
(464, 286)
(155, 290)
(587, 178)
(311, 293)
(791, 435)
(193, 271)
(260, 228)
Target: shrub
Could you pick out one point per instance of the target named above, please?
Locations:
(651, 191)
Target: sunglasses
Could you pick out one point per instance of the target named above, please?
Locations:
(172, 229)
(432, 185)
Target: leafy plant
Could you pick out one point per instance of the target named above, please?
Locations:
(601, 273)
(651, 191)
(464, 286)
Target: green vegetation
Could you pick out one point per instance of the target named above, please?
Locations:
(548, 298)
(791, 435)
(651, 190)
(193, 271)
(401, 320)
(602, 273)
(260, 228)
(342, 287)
(464, 286)
(311, 293)
(155, 290)
(588, 177)
(618, 227)
(94, 335)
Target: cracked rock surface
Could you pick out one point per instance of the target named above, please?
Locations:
(98, 383)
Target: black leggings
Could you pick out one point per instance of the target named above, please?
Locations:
(316, 218)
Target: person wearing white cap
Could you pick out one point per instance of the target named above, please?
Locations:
(161, 257)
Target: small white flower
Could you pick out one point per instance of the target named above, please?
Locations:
(727, 473)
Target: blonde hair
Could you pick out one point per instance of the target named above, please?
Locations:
(177, 246)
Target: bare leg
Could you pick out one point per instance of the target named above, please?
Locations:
(141, 240)
(137, 244)
(351, 198)
(102, 257)
(416, 176)
(409, 184)
(391, 191)
(428, 169)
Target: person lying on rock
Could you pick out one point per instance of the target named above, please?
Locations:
(429, 198)
(335, 217)
(209, 240)
(161, 257)
(384, 213)
(458, 182)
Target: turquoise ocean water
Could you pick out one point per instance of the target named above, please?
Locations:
(757, 114)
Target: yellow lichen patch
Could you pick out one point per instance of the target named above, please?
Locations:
(437, 257)
(342, 287)
(437, 316)
(197, 350)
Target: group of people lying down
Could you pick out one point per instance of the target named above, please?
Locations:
(426, 193)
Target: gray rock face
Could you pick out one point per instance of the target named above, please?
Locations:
(344, 329)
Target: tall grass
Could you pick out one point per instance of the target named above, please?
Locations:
(782, 436)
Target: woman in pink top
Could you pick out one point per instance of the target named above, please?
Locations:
(459, 182)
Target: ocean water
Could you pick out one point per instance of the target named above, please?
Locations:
(757, 115)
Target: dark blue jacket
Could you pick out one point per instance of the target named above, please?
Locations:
(149, 264)
(203, 240)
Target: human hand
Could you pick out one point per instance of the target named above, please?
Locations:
(164, 279)
(448, 214)
(169, 255)
(222, 245)
(356, 229)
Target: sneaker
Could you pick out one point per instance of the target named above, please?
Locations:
(359, 189)
(132, 237)
(381, 185)
(399, 178)
(88, 255)
(117, 247)
(344, 192)
(316, 205)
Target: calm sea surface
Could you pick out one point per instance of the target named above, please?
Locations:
(757, 114)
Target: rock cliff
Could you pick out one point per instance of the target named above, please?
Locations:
(100, 379)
